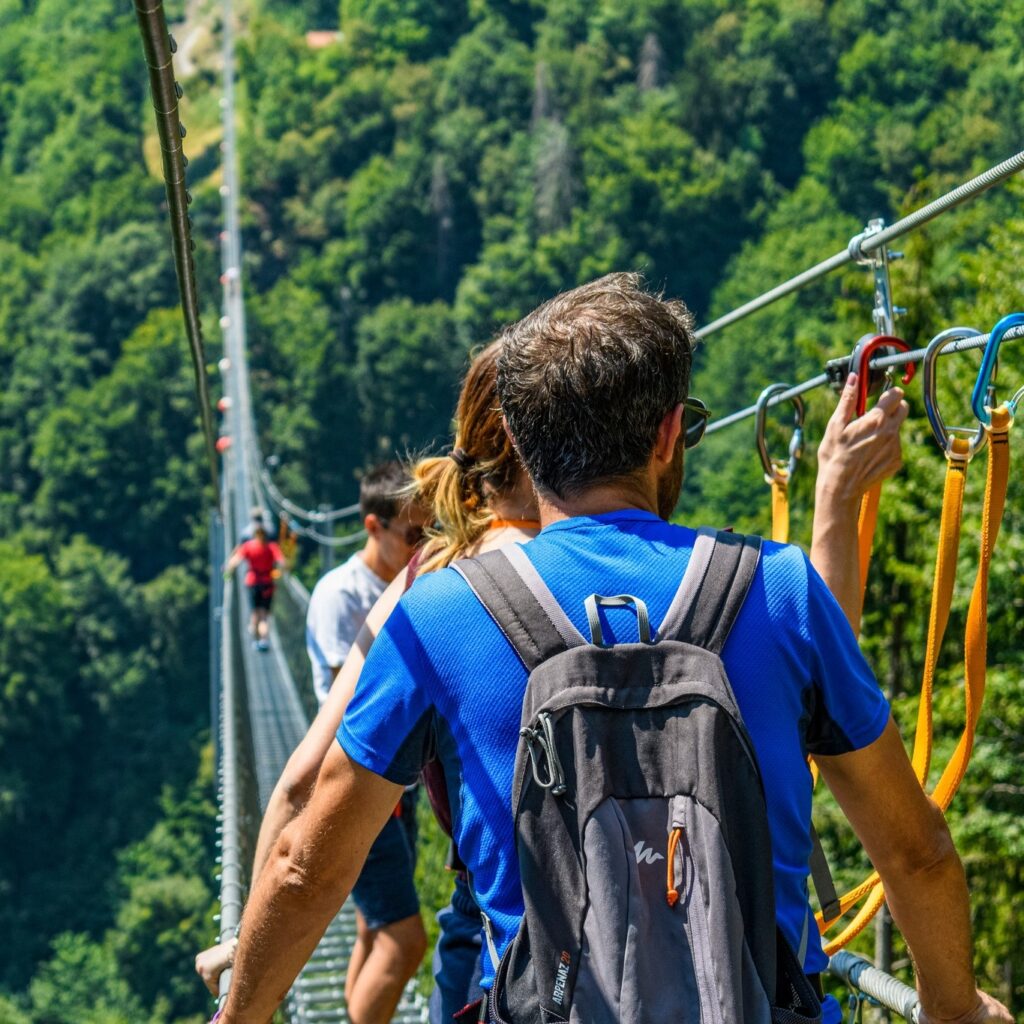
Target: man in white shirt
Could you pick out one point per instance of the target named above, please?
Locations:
(343, 597)
(390, 937)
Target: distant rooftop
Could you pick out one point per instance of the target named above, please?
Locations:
(321, 38)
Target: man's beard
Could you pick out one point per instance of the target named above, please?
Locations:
(671, 483)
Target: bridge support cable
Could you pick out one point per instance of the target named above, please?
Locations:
(320, 516)
(276, 717)
(159, 45)
(861, 247)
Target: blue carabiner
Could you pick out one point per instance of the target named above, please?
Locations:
(979, 396)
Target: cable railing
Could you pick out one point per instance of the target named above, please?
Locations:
(871, 241)
(869, 247)
(282, 508)
(321, 516)
(232, 868)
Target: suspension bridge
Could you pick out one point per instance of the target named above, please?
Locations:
(257, 707)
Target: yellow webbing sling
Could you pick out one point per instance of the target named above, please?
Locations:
(975, 642)
(780, 507)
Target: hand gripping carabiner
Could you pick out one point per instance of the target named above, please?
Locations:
(978, 437)
(980, 401)
(859, 362)
(775, 470)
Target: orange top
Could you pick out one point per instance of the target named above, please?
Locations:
(520, 524)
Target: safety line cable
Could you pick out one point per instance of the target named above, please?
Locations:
(324, 516)
(837, 369)
(159, 46)
(867, 242)
(273, 498)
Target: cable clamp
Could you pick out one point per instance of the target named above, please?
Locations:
(856, 246)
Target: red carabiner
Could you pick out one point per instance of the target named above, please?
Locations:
(864, 353)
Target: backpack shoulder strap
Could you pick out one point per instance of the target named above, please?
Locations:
(713, 589)
(506, 583)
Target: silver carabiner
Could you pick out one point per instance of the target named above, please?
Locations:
(773, 470)
(978, 437)
(543, 736)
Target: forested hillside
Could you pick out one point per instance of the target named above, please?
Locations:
(433, 172)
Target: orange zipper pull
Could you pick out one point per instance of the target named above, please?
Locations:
(673, 844)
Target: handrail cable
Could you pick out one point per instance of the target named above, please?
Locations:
(323, 516)
(272, 498)
(232, 888)
(159, 45)
(869, 241)
(837, 370)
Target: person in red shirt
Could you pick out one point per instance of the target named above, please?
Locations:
(263, 557)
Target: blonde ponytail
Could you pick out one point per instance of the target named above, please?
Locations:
(456, 486)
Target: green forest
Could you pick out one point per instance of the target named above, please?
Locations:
(428, 173)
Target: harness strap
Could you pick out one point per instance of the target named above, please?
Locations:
(942, 598)
(716, 582)
(824, 884)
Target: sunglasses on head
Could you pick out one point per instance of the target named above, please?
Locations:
(695, 421)
(412, 535)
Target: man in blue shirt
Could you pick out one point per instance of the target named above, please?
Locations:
(594, 386)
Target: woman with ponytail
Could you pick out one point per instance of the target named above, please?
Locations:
(480, 498)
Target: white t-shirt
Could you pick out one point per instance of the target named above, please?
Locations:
(338, 607)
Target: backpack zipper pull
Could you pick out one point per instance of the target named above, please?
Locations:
(672, 895)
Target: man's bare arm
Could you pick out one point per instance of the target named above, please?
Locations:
(908, 841)
(854, 454)
(295, 785)
(307, 877)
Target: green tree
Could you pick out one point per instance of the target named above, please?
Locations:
(408, 363)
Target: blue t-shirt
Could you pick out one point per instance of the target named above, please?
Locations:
(442, 678)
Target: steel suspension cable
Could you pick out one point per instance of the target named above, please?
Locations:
(159, 46)
(862, 245)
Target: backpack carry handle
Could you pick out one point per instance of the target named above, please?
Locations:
(592, 603)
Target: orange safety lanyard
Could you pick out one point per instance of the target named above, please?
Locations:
(976, 633)
(975, 643)
(867, 520)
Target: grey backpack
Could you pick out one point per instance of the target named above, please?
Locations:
(640, 818)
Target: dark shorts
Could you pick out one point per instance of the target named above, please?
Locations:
(457, 966)
(384, 891)
(262, 595)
